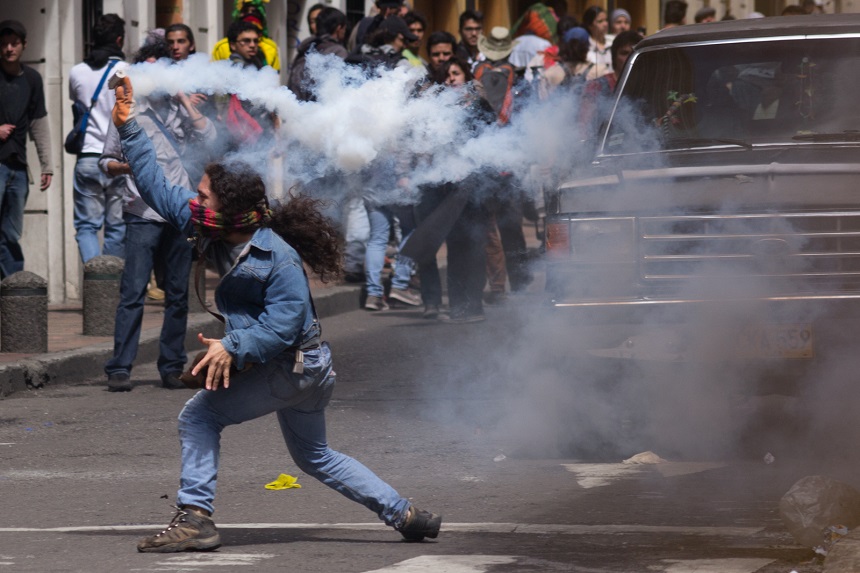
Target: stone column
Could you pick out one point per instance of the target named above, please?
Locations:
(102, 276)
(24, 313)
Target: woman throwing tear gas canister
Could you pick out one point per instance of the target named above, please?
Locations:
(271, 358)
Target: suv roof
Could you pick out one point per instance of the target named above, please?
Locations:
(755, 28)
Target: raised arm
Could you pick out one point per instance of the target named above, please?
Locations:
(168, 200)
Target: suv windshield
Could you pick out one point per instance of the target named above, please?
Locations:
(738, 93)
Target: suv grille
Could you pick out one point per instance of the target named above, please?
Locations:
(812, 247)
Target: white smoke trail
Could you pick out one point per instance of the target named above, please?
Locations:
(379, 122)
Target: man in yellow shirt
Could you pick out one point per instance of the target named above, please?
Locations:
(253, 11)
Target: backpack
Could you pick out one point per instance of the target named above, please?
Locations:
(498, 81)
(573, 81)
(298, 83)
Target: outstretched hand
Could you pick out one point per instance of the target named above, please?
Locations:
(123, 109)
(219, 362)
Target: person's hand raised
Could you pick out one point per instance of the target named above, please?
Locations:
(123, 109)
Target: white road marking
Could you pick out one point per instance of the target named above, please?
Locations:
(729, 565)
(598, 475)
(447, 564)
(498, 528)
(216, 559)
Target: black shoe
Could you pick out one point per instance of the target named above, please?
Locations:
(456, 318)
(353, 277)
(420, 524)
(172, 382)
(495, 298)
(119, 383)
(431, 311)
(189, 530)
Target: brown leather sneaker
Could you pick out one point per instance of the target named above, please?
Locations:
(420, 524)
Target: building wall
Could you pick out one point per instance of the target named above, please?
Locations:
(55, 44)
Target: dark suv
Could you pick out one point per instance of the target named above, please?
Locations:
(723, 193)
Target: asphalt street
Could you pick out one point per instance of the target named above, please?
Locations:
(477, 422)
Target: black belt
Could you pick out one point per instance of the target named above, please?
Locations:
(311, 344)
(89, 154)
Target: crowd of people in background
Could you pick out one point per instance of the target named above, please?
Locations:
(547, 53)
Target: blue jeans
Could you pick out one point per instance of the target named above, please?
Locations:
(98, 203)
(145, 241)
(381, 219)
(14, 189)
(264, 389)
(356, 233)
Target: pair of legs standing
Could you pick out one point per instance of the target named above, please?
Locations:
(145, 242)
(98, 204)
(381, 221)
(14, 189)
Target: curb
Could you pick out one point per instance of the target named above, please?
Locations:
(77, 366)
(844, 556)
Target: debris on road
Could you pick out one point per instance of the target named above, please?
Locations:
(284, 481)
(648, 457)
(814, 504)
(768, 458)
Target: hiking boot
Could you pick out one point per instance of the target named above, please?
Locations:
(172, 382)
(431, 311)
(189, 530)
(375, 303)
(120, 382)
(420, 524)
(405, 295)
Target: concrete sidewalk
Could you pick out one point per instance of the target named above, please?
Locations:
(73, 357)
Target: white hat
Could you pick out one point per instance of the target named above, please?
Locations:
(498, 45)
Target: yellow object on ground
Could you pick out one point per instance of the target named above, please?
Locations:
(284, 482)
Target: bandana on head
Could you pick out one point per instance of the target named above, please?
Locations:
(214, 225)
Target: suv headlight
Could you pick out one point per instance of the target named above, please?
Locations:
(604, 240)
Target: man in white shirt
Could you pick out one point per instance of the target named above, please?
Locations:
(98, 199)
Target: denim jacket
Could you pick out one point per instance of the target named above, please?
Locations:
(265, 297)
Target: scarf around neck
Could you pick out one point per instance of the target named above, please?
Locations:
(99, 57)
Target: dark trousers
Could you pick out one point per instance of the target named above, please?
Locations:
(467, 260)
(507, 207)
(466, 242)
(147, 241)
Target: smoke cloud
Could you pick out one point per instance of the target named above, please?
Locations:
(549, 388)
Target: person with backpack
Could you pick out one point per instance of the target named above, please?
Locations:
(507, 259)
(573, 69)
(384, 47)
(22, 110)
(98, 199)
(331, 26)
(172, 124)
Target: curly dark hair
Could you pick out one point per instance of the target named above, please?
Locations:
(299, 222)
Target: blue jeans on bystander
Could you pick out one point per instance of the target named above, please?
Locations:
(14, 189)
(98, 203)
(146, 240)
(381, 219)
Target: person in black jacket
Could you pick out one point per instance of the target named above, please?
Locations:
(22, 110)
(331, 31)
